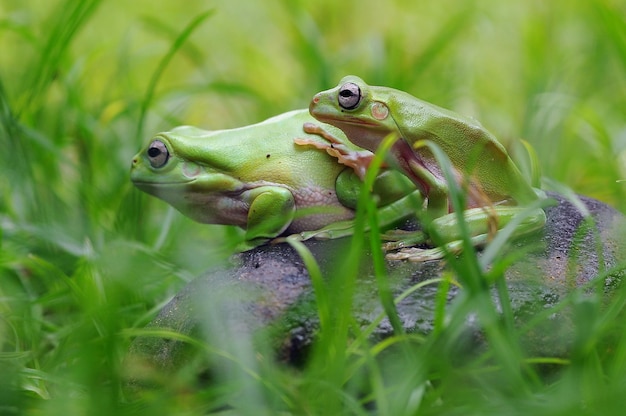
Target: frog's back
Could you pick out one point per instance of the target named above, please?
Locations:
(472, 149)
(261, 152)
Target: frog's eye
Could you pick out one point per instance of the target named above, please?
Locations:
(349, 96)
(158, 154)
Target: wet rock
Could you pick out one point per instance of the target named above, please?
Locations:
(268, 290)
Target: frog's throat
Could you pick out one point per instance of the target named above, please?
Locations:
(346, 119)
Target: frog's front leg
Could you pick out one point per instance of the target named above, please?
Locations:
(479, 222)
(358, 160)
(272, 209)
(426, 174)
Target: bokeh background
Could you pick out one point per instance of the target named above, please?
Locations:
(85, 84)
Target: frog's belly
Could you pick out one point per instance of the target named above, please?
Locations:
(221, 209)
(315, 208)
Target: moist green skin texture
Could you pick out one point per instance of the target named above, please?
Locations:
(258, 178)
(496, 190)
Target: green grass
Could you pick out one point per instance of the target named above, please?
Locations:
(85, 259)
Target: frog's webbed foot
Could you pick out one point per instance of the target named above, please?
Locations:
(397, 239)
(416, 255)
(330, 232)
(359, 161)
(479, 222)
(312, 128)
(405, 242)
(447, 226)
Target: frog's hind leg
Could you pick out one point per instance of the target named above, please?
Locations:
(479, 223)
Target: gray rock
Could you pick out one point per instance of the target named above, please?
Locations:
(268, 290)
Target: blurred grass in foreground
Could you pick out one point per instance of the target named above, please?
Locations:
(84, 256)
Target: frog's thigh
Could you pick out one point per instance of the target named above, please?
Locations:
(271, 211)
(348, 187)
(478, 220)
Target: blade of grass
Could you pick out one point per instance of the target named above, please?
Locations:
(610, 20)
(317, 281)
(495, 246)
(162, 66)
(69, 18)
(478, 298)
(446, 36)
(365, 200)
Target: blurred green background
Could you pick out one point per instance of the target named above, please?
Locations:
(85, 84)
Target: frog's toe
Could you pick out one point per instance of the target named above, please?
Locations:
(397, 239)
(417, 255)
(330, 232)
(321, 234)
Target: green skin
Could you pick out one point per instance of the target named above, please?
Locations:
(496, 190)
(266, 179)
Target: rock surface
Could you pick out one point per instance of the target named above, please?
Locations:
(269, 288)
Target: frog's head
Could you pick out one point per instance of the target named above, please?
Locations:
(363, 112)
(173, 167)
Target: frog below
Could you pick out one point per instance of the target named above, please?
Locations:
(265, 178)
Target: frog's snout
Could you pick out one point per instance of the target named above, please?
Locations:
(314, 102)
(134, 164)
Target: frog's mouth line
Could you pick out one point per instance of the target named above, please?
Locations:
(348, 120)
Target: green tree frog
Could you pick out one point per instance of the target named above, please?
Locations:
(266, 178)
(496, 191)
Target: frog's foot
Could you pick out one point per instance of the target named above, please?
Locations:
(404, 241)
(479, 224)
(330, 232)
(359, 161)
(417, 255)
(312, 128)
(397, 239)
